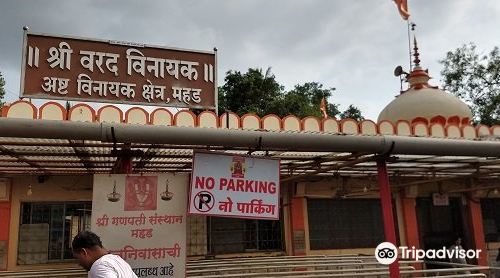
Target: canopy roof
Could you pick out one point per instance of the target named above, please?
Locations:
(62, 147)
(60, 156)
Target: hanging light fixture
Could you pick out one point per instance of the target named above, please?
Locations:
(166, 195)
(114, 196)
(30, 191)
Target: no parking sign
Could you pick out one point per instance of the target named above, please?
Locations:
(234, 186)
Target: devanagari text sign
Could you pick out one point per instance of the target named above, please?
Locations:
(69, 68)
(143, 220)
(234, 186)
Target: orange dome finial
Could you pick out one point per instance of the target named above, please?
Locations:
(418, 77)
(415, 52)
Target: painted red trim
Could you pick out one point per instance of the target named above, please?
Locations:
(242, 119)
(362, 123)
(411, 224)
(92, 110)
(289, 231)
(35, 110)
(342, 123)
(112, 106)
(153, 114)
(388, 217)
(272, 116)
(410, 221)
(297, 220)
(4, 109)
(63, 110)
(419, 120)
(222, 122)
(438, 119)
(476, 225)
(454, 120)
(195, 122)
(465, 121)
(386, 121)
(302, 123)
(209, 112)
(5, 211)
(298, 213)
(140, 109)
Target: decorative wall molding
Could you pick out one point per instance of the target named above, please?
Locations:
(438, 127)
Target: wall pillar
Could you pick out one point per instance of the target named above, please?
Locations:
(476, 228)
(4, 233)
(410, 222)
(409, 206)
(298, 233)
(5, 204)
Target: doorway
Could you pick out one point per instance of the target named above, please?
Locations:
(440, 226)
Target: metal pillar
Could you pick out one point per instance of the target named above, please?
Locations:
(386, 202)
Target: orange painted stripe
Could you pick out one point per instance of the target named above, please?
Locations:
(297, 219)
(411, 224)
(4, 223)
(476, 222)
(297, 214)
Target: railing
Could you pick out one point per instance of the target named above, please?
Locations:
(290, 266)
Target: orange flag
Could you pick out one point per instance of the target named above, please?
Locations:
(403, 8)
(322, 107)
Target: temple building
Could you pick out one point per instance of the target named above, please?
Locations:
(443, 173)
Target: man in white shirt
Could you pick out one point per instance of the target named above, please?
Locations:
(88, 251)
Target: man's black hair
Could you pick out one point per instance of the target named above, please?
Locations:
(86, 239)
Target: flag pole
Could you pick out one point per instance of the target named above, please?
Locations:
(409, 44)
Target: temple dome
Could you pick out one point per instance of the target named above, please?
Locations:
(424, 103)
(431, 104)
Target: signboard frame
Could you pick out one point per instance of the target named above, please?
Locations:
(107, 218)
(278, 187)
(41, 95)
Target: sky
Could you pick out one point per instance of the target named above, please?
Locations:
(352, 46)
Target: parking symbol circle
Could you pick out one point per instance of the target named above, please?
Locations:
(204, 201)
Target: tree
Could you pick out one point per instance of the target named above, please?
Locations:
(2, 89)
(304, 100)
(251, 92)
(352, 112)
(255, 92)
(475, 78)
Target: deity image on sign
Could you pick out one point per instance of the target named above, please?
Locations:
(238, 167)
(141, 193)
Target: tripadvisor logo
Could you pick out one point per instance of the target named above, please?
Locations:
(386, 253)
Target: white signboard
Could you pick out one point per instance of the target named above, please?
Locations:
(440, 199)
(234, 186)
(143, 220)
